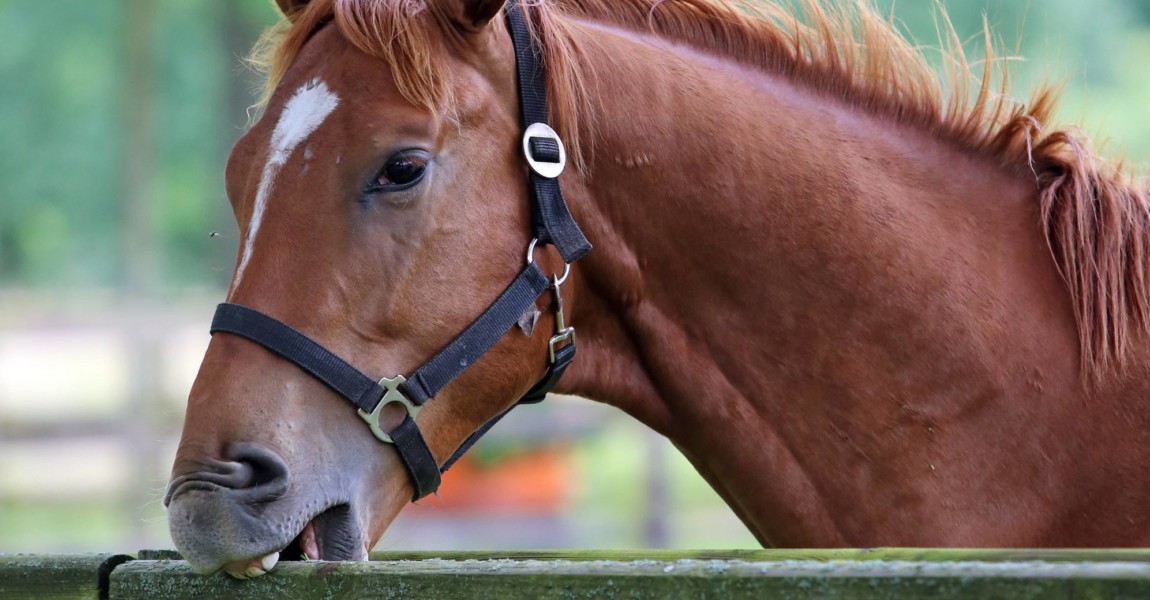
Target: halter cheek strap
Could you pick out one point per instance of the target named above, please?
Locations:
(552, 223)
(551, 219)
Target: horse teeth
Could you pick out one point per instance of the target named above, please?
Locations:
(252, 568)
(235, 571)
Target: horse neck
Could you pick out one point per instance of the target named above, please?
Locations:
(765, 254)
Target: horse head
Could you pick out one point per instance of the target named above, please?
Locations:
(383, 206)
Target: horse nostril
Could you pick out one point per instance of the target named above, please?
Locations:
(253, 473)
(256, 469)
(258, 465)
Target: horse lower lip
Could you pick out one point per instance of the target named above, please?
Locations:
(336, 533)
(331, 535)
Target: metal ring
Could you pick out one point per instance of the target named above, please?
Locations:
(531, 259)
(544, 169)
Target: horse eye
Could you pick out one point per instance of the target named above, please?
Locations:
(402, 171)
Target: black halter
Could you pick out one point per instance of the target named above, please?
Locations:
(552, 223)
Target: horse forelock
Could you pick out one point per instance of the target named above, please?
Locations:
(395, 31)
(399, 33)
(1097, 221)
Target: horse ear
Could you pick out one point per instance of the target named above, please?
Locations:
(290, 8)
(472, 15)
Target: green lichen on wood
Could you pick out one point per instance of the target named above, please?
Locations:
(647, 578)
(899, 554)
(786, 574)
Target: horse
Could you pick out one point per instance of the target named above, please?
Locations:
(869, 311)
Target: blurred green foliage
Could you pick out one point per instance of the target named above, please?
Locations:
(68, 106)
(86, 83)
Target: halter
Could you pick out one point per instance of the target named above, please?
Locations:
(551, 222)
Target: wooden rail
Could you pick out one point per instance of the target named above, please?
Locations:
(799, 574)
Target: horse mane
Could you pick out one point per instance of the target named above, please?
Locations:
(1097, 222)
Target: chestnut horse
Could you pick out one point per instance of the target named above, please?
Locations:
(869, 312)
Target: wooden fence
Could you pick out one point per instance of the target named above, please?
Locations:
(84, 460)
(856, 574)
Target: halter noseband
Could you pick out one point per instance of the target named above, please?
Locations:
(551, 223)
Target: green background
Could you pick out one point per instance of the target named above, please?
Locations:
(92, 88)
(116, 117)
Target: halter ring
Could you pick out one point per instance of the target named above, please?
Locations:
(531, 259)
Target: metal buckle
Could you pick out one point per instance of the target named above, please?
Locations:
(563, 333)
(544, 169)
(392, 395)
(567, 334)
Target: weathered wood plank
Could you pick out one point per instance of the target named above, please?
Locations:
(47, 577)
(895, 554)
(687, 578)
(902, 554)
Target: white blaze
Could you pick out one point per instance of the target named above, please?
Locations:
(303, 113)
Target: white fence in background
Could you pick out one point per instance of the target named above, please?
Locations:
(91, 401)
(92, 397)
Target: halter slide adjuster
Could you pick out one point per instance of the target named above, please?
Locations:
(390, 396)
(544, 150)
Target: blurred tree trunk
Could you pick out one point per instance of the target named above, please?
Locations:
(656, 522)
(239, 35)
(141, 258)
(138, 211)
(238, 31)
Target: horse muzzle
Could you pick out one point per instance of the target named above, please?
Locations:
(244, 513)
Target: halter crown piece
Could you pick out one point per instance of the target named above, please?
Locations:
(551, 222)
